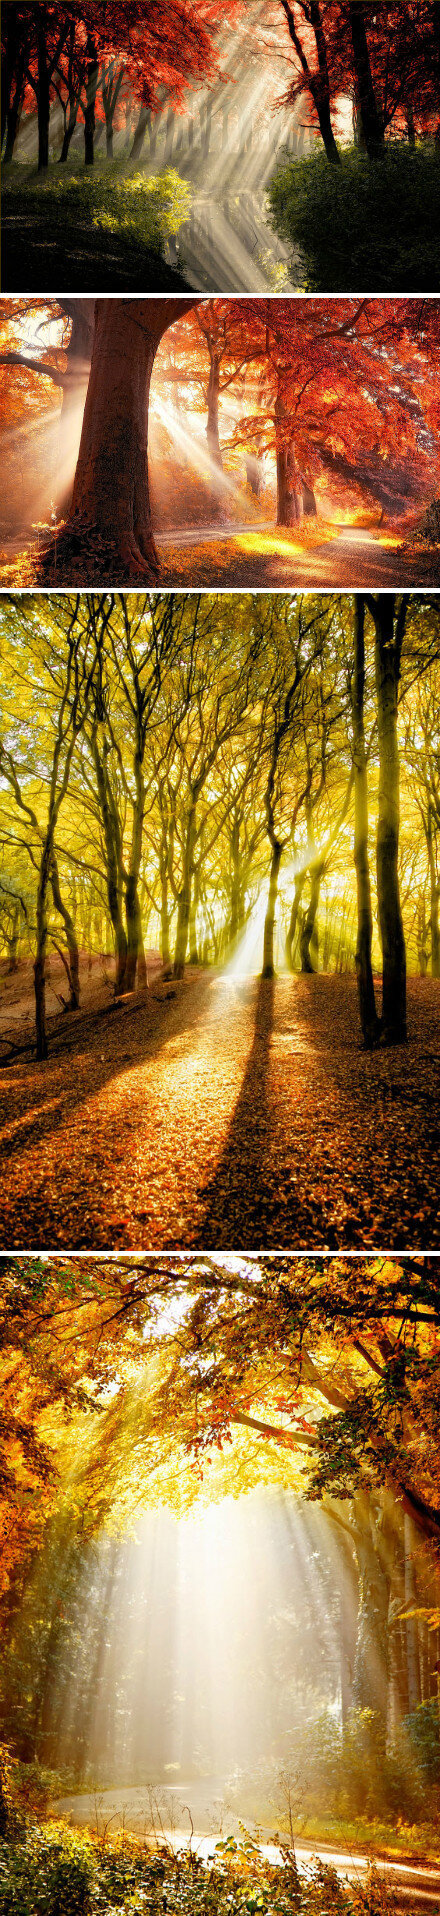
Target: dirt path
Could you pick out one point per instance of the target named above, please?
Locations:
(266, 556)
(139, 1810)
(228, 1116)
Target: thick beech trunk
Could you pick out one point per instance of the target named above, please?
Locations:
(41, 948)
(434, 883)
(308, 933)
(79, 354)
(184, 901)
(133, 965)
(290, 508)
(268, 970)
(110, 513)
(389, 625)
(114, 866)
(364, 970)
(299, 883)
(71, 939)
(371, 120)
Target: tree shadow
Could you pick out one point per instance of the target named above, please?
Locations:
(235, 1195)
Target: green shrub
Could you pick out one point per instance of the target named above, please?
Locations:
(50, 1874)
(423, 1729)
(362, 226)
(145, 210)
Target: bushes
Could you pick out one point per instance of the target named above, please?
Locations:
(61, 1873)
(72, 227)
(50, 1874)
(149, 210)
(363, 227)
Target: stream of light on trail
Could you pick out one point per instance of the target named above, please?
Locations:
(192, 1651)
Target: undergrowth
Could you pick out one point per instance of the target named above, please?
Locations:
(363, 227)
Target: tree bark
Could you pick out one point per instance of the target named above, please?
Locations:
(389, 628)
(299, 883)
(110, 515)
(268, 970)
(434, 885)
(364, 971)
(89, 111)
(43, 99)
(71, 939)
(184, 901)
(139, 134)
(308, 930)
(371, 119)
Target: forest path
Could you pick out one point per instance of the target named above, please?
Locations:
(137, 1809)
(266, 555)
(239, 1115)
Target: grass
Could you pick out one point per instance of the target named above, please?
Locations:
(102, 228)
(362, 226)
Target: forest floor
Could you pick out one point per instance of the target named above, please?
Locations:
(219, 1113)
(250, 556)
(44, 253)
(270, 556)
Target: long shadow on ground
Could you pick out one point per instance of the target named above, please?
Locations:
(331, 1147)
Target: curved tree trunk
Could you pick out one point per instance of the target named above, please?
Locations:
(308, 929)
(71, 939)
(110, 515)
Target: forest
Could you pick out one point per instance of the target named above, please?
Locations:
(233, 442)
(186, 140)
(219, 1583)
(220, 828)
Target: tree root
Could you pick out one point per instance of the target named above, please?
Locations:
(82, 554)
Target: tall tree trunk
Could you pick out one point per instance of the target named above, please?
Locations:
(43, 91)
(299, 883)
(134, 932)
(308, 929)
(113, 864)
(71, 938)
(41, 948)
(212, 431)
(68, 135)
(412, 1647)
(13, 116)
(372, 122)
(184, 901)
(389, 627)
(289, 481)
(370, 1678)
(90, 107)
(139, 133)
(111, 495)
(364, 971)
(79, 354)
(434, 885)
(268, 970)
